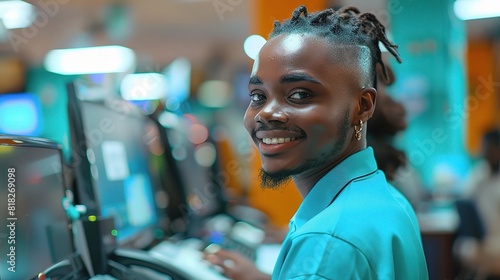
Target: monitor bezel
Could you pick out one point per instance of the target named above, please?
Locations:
(43, 143)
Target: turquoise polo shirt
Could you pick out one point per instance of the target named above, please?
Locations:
(353, 225)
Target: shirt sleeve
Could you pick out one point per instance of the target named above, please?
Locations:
(323, 256)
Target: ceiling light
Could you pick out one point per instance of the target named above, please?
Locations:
(253, 44)
(92, 60)
(143, 86)
(16, 14)
(476, 9)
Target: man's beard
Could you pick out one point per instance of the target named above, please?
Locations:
(280, 179)
(274, 181)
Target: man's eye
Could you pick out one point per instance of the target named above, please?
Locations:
(299, 95)
(255, 97)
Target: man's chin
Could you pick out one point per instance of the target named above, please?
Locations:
(274, 180)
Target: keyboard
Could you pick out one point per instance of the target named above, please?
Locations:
(186, 258)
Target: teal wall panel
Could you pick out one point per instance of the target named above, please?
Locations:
(51, 90)
(431, 83)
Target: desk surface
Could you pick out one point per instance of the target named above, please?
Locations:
(438, 217)
(438, 222)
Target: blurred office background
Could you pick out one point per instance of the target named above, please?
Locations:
(191, 59)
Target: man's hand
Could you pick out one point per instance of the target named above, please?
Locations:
(233, 265)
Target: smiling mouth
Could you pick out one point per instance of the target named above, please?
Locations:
(274, 141)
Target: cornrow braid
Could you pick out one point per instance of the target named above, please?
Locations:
(321, 17)
(346, 26)
(296, 14)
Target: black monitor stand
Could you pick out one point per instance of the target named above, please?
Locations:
(100, 255)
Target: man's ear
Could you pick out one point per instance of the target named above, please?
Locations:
(366, 103)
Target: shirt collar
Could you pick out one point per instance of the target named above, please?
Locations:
(321, 195)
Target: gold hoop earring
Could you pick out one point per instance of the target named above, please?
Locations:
(357, 132)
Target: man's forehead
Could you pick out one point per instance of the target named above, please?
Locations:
(296, 41)
(309, 46)
(305, 49)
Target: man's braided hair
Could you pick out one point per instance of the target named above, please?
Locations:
(346, 26)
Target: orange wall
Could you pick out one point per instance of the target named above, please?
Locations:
(481, 106)
(265, 12)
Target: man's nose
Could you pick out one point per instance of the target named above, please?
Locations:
(272, 111)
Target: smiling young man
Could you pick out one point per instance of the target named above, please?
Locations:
(312, 91)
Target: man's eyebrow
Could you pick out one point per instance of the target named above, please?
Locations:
(254, 80)
(297, 77)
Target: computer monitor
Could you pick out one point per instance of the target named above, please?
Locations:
(20, 114)
(171, 197)
(35, 231)
(197, 163)
(117, 161)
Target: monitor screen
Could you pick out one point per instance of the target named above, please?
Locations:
(20, 114)
(119, 155)
(115, 159)
(34, 232)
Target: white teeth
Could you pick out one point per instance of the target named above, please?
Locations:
(274, 141)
